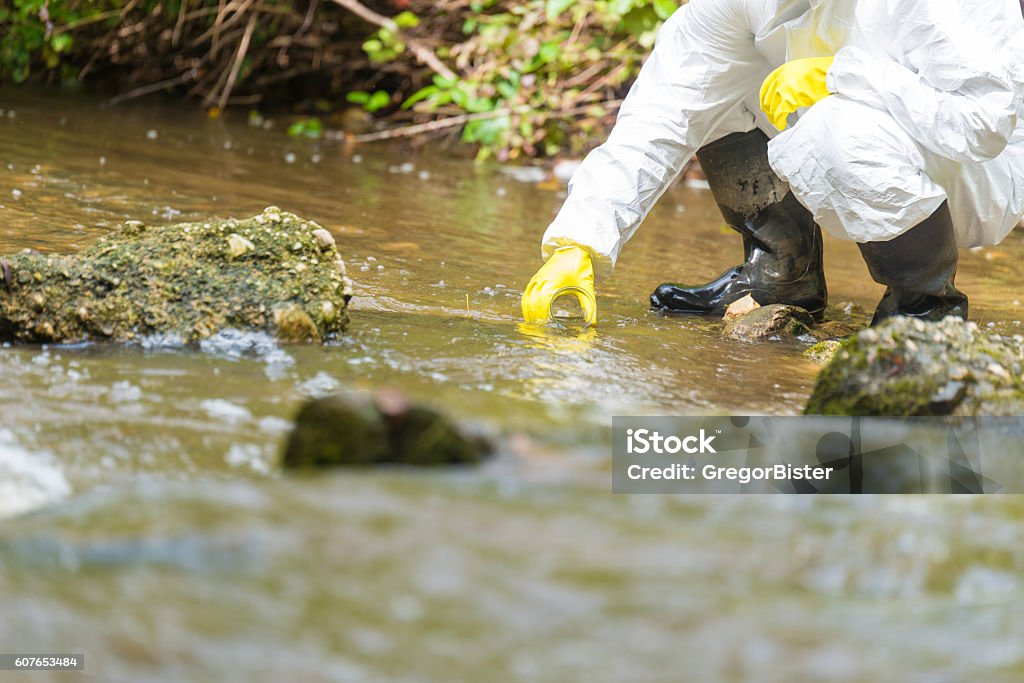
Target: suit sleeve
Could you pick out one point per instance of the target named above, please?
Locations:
(702, 66)
(951, 83)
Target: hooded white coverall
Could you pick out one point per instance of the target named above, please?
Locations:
(927, 106)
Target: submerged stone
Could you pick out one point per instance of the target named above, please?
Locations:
(361, 429)
(907, 367)
(274, 272)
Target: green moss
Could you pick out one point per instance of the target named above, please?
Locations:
(823, 351)
(189, 280)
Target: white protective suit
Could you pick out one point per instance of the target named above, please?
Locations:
(927, 106)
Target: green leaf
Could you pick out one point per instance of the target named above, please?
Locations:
(358, 97)
(507, 90)
(641, 22)
(373, 45)
(407, 20)
(420, 95)
(549, 52)
(554, 8)
(486, 131)
(61, 43)
(665, 8)
(310, 128)
(378, 100)
(476, 105)
(314, 128)
(620, 7)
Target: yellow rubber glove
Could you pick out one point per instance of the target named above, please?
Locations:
(795, 84)
(567, 267)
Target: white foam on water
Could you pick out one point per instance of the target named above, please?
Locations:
(226, 411)
(252, 456)
(27, 480)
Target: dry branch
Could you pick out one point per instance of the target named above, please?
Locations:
(461, 119)
(243, 46)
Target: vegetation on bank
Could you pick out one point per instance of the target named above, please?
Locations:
(526, 78)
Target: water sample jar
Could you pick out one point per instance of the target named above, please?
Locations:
(569, 307)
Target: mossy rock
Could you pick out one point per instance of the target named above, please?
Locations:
(273, 272)
(359, 429)
(907, 367)
(774, 320)
(823, 351)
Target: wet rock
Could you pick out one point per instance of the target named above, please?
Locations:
(774, 320)
(823, 351)
(361, 429)
(741, 307)
(273, 272)
(832, 329)
(910, 367)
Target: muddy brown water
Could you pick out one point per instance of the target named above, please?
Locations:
(149, 527)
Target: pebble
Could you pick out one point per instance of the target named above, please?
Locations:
(152, 134)
(323, 238)
(16, 193)
(238, 245)
(289, 158)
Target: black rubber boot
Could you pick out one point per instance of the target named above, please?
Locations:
(917, 269)
(781, 241)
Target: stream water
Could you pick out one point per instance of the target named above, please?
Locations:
(150, 528)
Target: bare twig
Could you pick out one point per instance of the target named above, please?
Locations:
(461, 119)
(243, 46)
(423, 53)
(237, 11)
(102, 16)
(152, 88)
(178, 25)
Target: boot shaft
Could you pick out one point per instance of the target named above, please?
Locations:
(780, 237)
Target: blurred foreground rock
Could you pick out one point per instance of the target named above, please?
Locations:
(274, 272)
(910, 367)
(359, 429)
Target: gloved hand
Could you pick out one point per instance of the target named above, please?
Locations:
(566, 267)
(795, 84)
